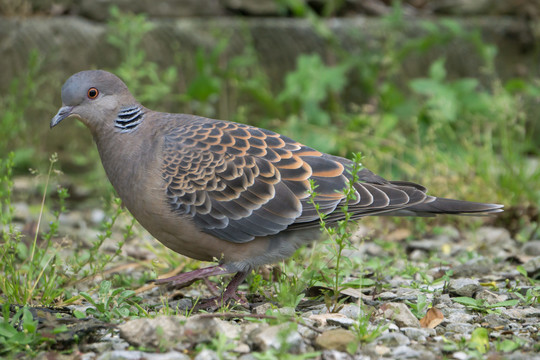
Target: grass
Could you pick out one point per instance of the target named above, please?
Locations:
(462, 137)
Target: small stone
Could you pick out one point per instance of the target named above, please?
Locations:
(531, 248)
(418, 334)
(269, 338)
(171, 355)
(207, 354)
(494, 320)
(405, 352)
(242, 349)
(532, 266)
(460, 355)
(335, 355)
(490, 297)
(460, 328)
(474, 267)
(337, 339)
(344, 322)
(400, 314)
(381, 350)
(386, 295)
(262, 309)
(352, 311)
(464, 287)
(121, 355)
(393, 339)
(521, 314)
(97, 216)
(153, 333)
(458, 316)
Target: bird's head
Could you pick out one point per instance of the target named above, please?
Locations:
(95, 97)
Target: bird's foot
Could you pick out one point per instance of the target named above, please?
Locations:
(186, 279)
(229, 294)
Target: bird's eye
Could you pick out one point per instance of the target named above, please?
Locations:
(92, 93)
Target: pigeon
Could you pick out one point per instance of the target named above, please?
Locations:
(216, 190)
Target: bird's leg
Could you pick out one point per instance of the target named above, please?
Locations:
(229, 293)
(186, 279)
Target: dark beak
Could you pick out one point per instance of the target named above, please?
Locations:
(63, 113)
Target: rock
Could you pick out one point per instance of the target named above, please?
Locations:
(207, 354)
(121, 355)
(153, 333)
(344, 322)
(352, 311)
(458, 316)
(166, 8)
(490, 297)
(474, 267)
(262, 309)
(393, 339)
(171, 355)
(460, 328)
(532, 266)
(270, 338)
(492, 241)
(531, 248)
(418, 334)
(337, 339)
(405, 352)
(494, 320)
(521, 314)
(400, 314)
(464, 287)
(335, 355)
(324, 319)
(386, 295)
(257, 8)
(168, 332)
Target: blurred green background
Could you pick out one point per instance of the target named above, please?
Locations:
(441, 93)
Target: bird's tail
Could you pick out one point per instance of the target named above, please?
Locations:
(437, 205)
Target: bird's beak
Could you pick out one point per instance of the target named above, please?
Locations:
(63, 113)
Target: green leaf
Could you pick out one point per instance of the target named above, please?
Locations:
(467, 301)
(480, 340)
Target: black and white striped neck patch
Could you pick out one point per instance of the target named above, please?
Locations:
(129, 118)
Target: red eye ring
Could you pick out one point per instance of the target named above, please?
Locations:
(92, 93)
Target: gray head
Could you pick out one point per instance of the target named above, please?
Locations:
(93, 96)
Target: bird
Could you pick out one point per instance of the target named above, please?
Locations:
(235, 194)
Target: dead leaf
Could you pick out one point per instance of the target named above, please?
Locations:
(433, 318)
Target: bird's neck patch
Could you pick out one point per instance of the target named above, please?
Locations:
(129, 118)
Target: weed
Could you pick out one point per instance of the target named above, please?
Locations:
(113, 304)
(20, 333)
(481, 305)
(339, 233)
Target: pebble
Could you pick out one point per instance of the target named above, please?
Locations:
(490, 297)
(337, 339)
(418, 334)
(532, 266)
(464, 287)
(460, 328)
(400, 314)
(531, 248)
(207, 354)
(269, 338)
(405, 352)
(393, 339)
(335, 355)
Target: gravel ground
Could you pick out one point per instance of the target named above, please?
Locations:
(486, 308)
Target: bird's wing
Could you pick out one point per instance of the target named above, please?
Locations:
(239, 182)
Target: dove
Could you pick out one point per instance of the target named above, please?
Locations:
(216, 190)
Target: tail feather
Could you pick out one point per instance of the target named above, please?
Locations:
(450, 206)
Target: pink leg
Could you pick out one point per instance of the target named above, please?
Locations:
(229, 293)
